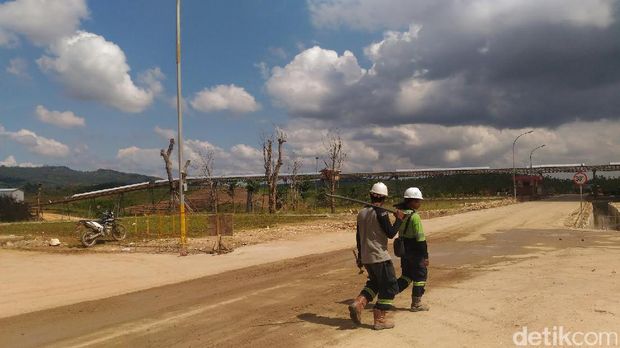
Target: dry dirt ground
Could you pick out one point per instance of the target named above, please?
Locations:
(492, 272)
(58, 217)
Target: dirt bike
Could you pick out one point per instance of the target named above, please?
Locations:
(91, 230)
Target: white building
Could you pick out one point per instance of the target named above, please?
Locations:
(17, 194)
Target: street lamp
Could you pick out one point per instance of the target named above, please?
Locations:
(180, 134)
(531, 153)
(514, 169)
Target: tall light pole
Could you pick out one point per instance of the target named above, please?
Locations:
(180, 135)
(514, 169)
(531, 153)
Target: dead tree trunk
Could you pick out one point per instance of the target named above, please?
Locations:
(250, 188)
(166, 155)
(272, 166)
(335, 158)
(296, 166)
(208, 159)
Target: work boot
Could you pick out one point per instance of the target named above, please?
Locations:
(418, 306)
(356, 308)
(383, 319)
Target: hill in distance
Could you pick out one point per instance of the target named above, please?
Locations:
(60, 177)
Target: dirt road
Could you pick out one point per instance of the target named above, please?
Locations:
(492, 272)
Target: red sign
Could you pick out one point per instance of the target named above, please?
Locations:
(580, 178)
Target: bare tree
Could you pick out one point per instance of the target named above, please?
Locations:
(294, 170)
(232, 186)
(166, 155)
(333, 165)
(206, 167)
(273, 165)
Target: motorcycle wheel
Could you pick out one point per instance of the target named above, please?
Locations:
(119, 232)
(89, 237)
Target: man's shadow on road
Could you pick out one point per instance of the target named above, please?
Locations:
(338, 323)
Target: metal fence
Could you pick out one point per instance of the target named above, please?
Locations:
(163, 226)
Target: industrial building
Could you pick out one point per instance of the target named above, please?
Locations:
(17, 194)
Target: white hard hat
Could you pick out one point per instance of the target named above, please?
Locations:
(413, 192)
(379, 189)
(54, 242)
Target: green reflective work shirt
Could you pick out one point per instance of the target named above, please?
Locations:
(412, 228)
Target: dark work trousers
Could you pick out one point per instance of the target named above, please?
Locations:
(413, 272)
(381, 283)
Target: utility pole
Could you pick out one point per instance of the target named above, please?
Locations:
(183, 251)
(514, 169)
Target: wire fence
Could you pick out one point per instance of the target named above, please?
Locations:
(159, 226)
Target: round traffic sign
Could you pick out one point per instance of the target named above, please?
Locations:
(580, 178)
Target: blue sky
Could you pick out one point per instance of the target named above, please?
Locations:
(406, 83)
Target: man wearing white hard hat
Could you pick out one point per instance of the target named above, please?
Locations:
(414, 262)
(373, 231)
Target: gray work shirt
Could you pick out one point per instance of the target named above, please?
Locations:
(374, 230)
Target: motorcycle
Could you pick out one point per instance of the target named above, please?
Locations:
(91, 230)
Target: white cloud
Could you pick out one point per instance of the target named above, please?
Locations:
(152, 80)
(238, 159)
(12, 162)
(165, 133)
(425, 145)
(41, 21)
(9, 162)
(18, 67)
(278, 52)
(64, 119)
(36, 143)
(380, 148)
(224, 97)
(416, 95)
(92, 68)
(263, 69)
(8, 40)
(244, 151)
(140, 160)
(397, 14)
(313, 76)
(172, 102)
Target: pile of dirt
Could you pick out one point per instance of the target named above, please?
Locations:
(580, 218)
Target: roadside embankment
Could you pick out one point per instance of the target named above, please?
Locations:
(581, 217)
